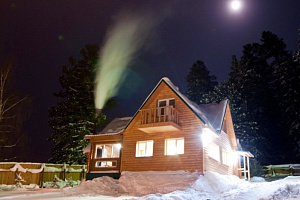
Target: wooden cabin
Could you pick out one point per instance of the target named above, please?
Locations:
(168, 132)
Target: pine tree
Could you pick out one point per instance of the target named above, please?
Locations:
(253, 78)
(74, 116)
(200, 82)
(287, 83)
(244, 127)
(263, 91)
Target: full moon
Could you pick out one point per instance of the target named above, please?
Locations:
(235, 5)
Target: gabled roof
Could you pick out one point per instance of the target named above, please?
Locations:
(210, 114)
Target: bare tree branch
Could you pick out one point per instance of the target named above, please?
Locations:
(12, 145)
(12, 106)
(9, 159)
(12, 115)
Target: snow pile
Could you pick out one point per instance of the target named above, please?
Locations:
(4, 187)
(137, 183)
(62, 183)
(149, 182)
(283, 189)
(173, 185)
(181, 185)
(103, 185)
(257, 179)
(288, 188)
(214, 182)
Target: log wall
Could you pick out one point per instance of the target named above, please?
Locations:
(211, 164)
(191, 160)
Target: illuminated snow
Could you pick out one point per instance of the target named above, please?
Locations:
(169, 185)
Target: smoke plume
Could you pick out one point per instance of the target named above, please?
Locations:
(123, 41)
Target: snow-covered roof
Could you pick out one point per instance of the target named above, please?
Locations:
(214, 113)
(116, 126)
(211, 114)
(87, 149)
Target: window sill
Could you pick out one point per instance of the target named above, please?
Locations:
(143, 156)
(214, 159)
(175, 155)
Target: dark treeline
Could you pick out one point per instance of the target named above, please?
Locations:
(73, 116)
(263, 90)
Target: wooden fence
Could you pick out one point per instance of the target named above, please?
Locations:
(281, 171)
(37, 173)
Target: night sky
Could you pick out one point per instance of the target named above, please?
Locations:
(40, 36)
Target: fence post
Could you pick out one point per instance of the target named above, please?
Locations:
(291, 171)
(83, 171)
(15, 175)
(64, 172)
(42, 176)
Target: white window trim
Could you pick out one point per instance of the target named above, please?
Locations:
(225, 157)
(166, 151)
(166, 110)
(137, 148)
(112, 144)
(211, 154)
(105, 166)
(167, 101)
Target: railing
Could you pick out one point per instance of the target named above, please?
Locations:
(159, 114)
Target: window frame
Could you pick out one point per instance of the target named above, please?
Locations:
(163, 111)
(137, 148)
(167, 101)
(107, 166)
(112, 150)
(214, 152)
(225, 157)
(176, 146)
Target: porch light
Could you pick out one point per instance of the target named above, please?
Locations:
(233, 156)
(207, 136)
(118, 146)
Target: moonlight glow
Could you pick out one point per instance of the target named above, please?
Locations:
(235, 5)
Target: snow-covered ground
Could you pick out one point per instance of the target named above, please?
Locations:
(168, 185)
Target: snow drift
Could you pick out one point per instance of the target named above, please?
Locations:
(170, 185)
(186, 185)
(137, 183)
(213, 182)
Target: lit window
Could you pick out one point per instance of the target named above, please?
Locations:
(108, 150)
(207, 136)
(214, 151)
(144, 148)
(174, 146)
(225, 157)
(106, 164)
